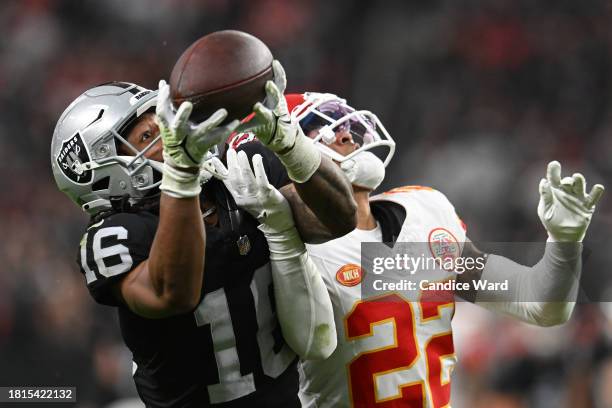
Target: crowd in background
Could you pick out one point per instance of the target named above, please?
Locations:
(479, 96)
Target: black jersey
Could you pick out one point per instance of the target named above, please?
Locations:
(229, 352)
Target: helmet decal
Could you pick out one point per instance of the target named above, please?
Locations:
(72, 159)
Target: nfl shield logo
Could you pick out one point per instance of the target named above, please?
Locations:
(71, 159)
(244, 245)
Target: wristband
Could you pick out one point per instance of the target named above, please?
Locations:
(179, 183)
(302, 160)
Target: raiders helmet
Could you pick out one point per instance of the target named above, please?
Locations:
(84, 157)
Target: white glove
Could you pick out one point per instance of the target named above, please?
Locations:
(272, 124)
(255, 194)
(186, 145)
(211, 167)
(565, 208)
(275, 128)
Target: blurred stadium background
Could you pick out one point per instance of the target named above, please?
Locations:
(479, 96)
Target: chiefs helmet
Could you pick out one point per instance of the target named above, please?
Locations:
(321, 115)
(84, 158)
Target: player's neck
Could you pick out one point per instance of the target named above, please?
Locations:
(365, 219)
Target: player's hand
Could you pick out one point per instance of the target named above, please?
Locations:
(565, 208)
(255, 194)
(186, 144)
(272, 124)
(212, 167)
(275, 128)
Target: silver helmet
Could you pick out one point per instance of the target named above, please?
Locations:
(84, 157)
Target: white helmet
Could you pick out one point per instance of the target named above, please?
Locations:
(84, 156)
(327, 113)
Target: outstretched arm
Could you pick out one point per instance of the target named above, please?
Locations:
(169, 282)
(545, 293)
(324, 206)
(302, 302)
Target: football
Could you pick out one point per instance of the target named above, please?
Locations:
(225, 69)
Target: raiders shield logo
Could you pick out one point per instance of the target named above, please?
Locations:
(70, 160)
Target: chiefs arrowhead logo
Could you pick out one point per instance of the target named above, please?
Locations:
(71, 159)
(349, 275)
(443, 245)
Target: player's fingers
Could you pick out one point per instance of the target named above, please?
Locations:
(216, 167)
(260, 110)
(553, 173)
(219, 134)
(215, 135)
(263, 116)
(546, 192)
(273, 95)
(163, 102)
(163, 91)
(567, 185)
(595, 195)
(280, 78)
(212, 122)
(228, 130)
(579, 186)
(247, 178)
(243, 161)
(232, 126)
(232, 166)
(161, 121)
(260, 172)
(182, 115)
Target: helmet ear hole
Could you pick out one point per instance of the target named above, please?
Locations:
(101, 184)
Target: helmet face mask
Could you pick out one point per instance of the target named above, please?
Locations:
(322, 116)
(84, 151)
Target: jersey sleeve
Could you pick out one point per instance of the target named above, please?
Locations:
(276, 172)
(113, 247)
(317, 256)
(448, 210)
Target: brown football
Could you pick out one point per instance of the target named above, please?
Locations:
(225, 69)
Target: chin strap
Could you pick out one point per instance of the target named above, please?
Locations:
(364, 170)
(121, 203)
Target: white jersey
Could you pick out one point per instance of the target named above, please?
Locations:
(394, 353)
